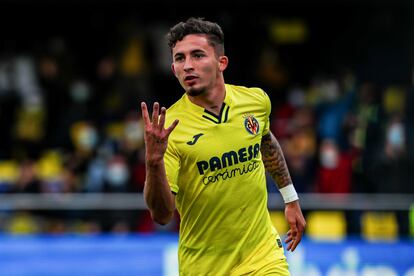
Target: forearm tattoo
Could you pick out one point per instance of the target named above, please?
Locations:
(274, 161)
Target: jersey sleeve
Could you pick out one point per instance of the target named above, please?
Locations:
(268, 109)
(172, 167)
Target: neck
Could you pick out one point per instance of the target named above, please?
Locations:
(211, 99)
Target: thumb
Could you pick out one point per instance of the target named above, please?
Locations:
(172, 126)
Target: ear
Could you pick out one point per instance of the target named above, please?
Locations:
(223, 62)
(173, 70)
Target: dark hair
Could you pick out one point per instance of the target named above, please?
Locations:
(194, 25)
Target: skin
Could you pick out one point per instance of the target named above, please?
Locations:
(199, 69)
(157, 193)
(275, 164)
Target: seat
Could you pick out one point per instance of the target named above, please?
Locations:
(326, 225)
(379, 226)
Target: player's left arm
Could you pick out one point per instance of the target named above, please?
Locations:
(275, 164)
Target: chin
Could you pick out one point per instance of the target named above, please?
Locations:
(194, 92)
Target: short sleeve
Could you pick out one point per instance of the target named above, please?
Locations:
(268, 109)
(172, 167)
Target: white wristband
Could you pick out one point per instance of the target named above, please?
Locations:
(289, 193)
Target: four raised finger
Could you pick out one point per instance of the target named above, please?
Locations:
(158, 117)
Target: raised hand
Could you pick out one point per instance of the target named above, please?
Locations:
(155, 135)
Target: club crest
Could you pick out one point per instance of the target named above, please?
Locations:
(251, 124)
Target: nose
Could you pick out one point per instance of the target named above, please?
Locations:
(188, 65)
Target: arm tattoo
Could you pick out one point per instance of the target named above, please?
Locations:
(274, 161)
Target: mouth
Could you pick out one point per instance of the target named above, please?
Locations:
(190, 79)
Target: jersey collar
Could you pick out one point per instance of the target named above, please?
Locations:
(224, 111)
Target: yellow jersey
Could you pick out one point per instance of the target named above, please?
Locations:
(215, 168)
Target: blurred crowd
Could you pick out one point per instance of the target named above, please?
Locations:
(341, 136)
(73, 125)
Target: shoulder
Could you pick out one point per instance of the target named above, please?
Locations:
(249, 93)
(251, 96)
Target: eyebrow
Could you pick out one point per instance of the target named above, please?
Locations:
(192, 52)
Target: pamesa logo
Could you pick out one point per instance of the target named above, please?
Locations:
(245, 156)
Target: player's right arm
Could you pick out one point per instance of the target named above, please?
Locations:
(157, 193)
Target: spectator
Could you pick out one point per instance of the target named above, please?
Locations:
(334, 173)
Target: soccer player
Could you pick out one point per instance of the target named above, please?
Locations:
(210, 161)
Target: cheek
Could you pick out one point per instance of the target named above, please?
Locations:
(209, 69)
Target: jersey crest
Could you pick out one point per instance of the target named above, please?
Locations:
(251, 124)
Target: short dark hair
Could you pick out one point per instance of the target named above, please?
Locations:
(194, 25)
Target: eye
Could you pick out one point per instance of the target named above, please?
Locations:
(178, 58)
(198, 55)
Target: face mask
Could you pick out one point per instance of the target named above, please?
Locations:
(395, 135)
(329, 158)
(117, 174)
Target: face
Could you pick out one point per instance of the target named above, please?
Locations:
(196, 65)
